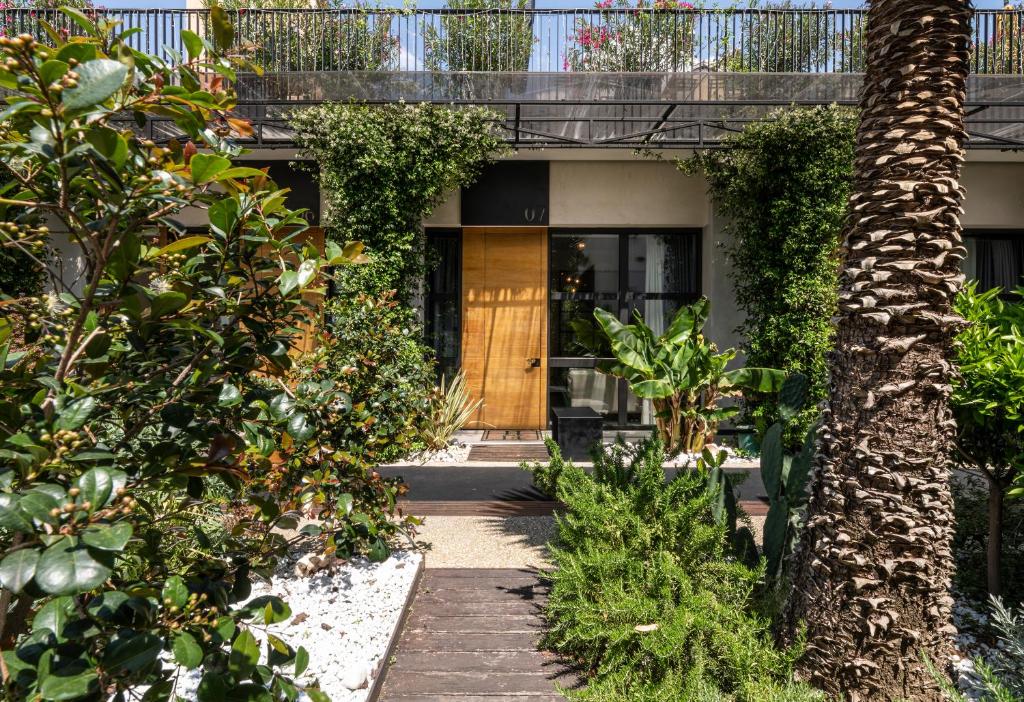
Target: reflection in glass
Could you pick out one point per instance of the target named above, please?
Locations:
(586, 263)
(661, 267)
(442, 310)
(584, 274)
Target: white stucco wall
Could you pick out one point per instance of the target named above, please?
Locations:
(717, 285)
(625, 193)
(995, 195)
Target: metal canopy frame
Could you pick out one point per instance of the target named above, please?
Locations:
(693, 110)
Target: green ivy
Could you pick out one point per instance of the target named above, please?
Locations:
(782, 185)
(383, 169)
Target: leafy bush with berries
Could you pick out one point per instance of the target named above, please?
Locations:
(146, 411)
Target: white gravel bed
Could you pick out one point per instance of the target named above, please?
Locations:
(682, 460)
(969, 621)
(343, 616)
(455, 452)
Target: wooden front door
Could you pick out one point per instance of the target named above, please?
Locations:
(504, 324)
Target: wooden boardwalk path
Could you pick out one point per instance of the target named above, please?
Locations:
(471, 636)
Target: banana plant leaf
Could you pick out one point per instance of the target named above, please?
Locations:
(626, 344)
(757, 379)
(688, 322)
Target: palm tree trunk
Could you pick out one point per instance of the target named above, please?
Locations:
(871, 574)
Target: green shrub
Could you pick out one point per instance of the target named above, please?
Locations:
(647, 596)
(148, 403)
(783, 185)
(20, 274)
(372, 349)
(988, 403)
(970, 542)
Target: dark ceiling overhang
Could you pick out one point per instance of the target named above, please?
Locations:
(623, 110)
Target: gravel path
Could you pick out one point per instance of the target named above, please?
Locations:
(486, 542)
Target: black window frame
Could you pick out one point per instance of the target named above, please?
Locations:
(624, 298)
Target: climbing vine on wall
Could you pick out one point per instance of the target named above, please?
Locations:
(383, 169)
(782, 185)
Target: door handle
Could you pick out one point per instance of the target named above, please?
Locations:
(533, 363)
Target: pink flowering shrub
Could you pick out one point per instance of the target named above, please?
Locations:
(15, 20)
(621, 36)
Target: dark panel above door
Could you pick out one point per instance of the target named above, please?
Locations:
(508, 194)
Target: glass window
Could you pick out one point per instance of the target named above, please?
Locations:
(584, 274)
(663, 263)
(442, 313)
(995, 259)
(653, 272)
(584, 263)
(585, 387)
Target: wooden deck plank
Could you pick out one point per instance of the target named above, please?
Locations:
(441, 606)
(472, 682)
(428, 641)
(472, 636)
(505, 661)
(475, 698)
(478, 624)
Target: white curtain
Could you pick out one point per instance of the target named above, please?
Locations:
(654, 310)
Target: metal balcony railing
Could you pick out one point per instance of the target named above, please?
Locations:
(599, 39)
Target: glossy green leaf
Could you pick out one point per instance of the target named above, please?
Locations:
(212, 688)
(300, 428)
(175, 590)
(756, 379)
(39, 505)
(301, 661)
(132, 651)
(98, 80)
(193, 44)
(183, 244)
(18, 568)
(67, 569)
(223, 30)
(245, 654)
(229, 396)
(55, 615)
(76, 413)
(58, 687)
(206, 167)
(288, 281)
(187, 651)
(267, 609)
(166, 303)
(113, 537)
(306, 272)
(97, 486)
(11, 516)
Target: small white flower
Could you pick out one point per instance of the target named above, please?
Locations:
(160, 285)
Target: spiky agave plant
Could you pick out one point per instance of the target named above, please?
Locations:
(451, 406)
